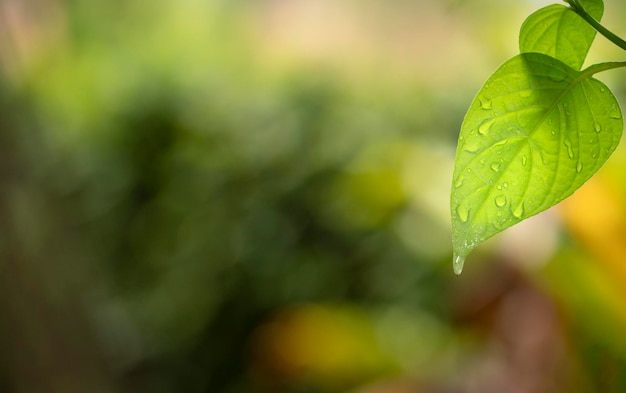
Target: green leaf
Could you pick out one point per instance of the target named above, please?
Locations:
(536, 131)
(560, 32)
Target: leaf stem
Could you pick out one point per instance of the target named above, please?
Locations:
(595, 68)
(580, 10)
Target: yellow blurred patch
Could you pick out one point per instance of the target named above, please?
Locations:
(596, 216)
(328, 346)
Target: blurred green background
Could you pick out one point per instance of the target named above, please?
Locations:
(252, 196)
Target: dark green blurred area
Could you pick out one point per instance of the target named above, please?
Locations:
(251, 196)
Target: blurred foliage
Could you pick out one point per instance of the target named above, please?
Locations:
(205, 196)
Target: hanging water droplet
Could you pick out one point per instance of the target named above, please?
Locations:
(597, 127)
(485, 126)
(518, 212)
(500, 200)
(495, 167)
(568, 145)
(457, 264)
(579, 167)
(485, 103)
(524, 160)
(463, 212)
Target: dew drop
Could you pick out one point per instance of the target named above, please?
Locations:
(602, 89)
(500, 200)
(597, 127)
(505, 185)
(557, 77)
(615, 114)
(495, 167)
(499, 187)
(485, 126)
(570, 151)
(579, 167)
(459, 183)
(524, 160)
(463, 213)
(457, 264)
(518, 212)
(485, 103)
(472, 145)
(501, 143)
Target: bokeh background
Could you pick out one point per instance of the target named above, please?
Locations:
(252, 196)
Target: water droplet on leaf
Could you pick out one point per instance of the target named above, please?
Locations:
(472, 145)
(525, 93)
(570, 151)
(485, 103)
(579, 167)
(501, 143)
(557, 77)
(483, 128)
(463, 213)
(597, 127)
(495, 167)
(500, 200)
(524, 160)
(459, 183)
(518, 212)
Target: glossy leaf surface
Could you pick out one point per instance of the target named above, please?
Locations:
(559, 32)
(536, 131)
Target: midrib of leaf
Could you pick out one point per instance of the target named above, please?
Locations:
(583, 75)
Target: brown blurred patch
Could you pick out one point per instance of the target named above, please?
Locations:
(524, 347)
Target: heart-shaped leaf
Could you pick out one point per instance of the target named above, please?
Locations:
(536, 131)
(560, 32)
